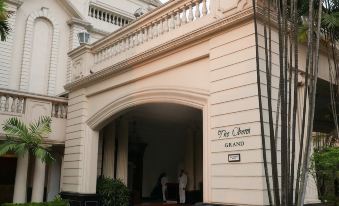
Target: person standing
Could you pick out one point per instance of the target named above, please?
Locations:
(164, 182)
(182, 187)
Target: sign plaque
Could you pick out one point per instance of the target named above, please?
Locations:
(234, 158)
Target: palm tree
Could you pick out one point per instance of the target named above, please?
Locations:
(4, 24)
(26, 140)
(22, 138)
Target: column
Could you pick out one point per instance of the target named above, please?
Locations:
(20, 186)
(122, 159)
(108, 155)
(38, 181)
(53, 187)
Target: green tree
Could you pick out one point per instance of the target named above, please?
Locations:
(22, 138)
(4, 24)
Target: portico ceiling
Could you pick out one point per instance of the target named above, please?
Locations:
(164, 112)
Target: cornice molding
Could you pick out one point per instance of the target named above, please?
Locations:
(78, 21)
(199, 34)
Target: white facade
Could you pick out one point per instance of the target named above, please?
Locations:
(34, 67)
(43, 32)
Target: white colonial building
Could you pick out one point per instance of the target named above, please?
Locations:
(175, 89)
(34, 67)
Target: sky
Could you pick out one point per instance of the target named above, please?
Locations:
(163, 1)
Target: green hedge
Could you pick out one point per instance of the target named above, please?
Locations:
(112, 192)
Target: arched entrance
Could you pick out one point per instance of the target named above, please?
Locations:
(147, 140)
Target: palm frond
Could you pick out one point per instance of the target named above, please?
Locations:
(41, 128)
(43, 154)
(14, 127)
(7, 146)
(330, 20)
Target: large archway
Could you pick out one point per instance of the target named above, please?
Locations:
(146, 140)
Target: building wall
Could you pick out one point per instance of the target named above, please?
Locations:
(26, 58)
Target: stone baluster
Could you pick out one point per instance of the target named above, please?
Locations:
(160, 28)
(190, 13)
(14, 102)
(172, 24)
(66, 111)
(114, 49)
(61, 113)
(118, 48)
(197, 9)
(102, 54)
(1, 103)
(145, 34)
(105, 53)
(204, 8)
(131, 41)
(125, 44)
(53, 109)
(7, 103)
(141, 36)
(150, 33)
(58, 112)
(99, 56)
(110, 51)
(104, 16)
(177, 19)
(165, 24)
(21, 102)
(122, 46)
(184, 17)
(154, 29)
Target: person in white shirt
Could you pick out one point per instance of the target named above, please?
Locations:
(164, 182)
(182, 186)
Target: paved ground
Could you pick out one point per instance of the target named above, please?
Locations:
(161, 204)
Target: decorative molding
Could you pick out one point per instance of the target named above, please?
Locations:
(192, 37)
(190, 97)
(16, 3)
(26, 59)
(79, 22)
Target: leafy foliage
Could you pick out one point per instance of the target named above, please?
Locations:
(112, 192)
(21, 138)
(4, 25)
(325, 167)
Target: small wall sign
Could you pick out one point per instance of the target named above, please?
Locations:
(234, 158)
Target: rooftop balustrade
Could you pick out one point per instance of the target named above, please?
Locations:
(161, 25)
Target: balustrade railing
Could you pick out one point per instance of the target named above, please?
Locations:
(108, 16)
(184, 13)
(59, 110)
(14, 102)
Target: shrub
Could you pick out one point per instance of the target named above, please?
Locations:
(326, 169)
(112, 192)
(56, 202)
